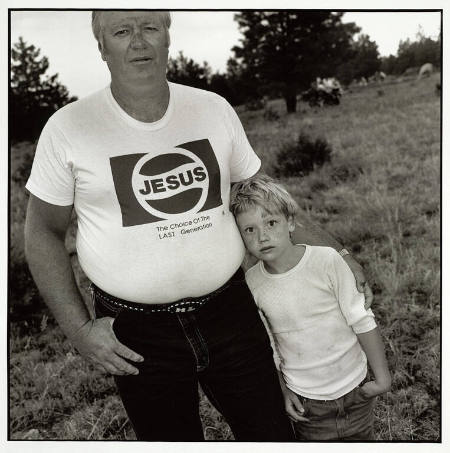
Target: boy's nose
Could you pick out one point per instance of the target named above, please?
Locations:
(262, 236)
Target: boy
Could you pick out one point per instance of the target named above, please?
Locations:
(321, 333)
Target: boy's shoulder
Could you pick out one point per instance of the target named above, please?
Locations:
(254, 270)
(320, 259)
(319, 252)
(254, 275)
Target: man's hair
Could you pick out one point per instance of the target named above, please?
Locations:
(97, 28)
(262, 191)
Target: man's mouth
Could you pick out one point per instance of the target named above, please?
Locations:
(141, 60)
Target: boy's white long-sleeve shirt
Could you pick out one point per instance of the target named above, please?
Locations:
(313, 313)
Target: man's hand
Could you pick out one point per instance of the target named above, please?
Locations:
(96, 341)
(361, 281)
(293, 406)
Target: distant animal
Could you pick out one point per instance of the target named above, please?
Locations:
(425, 70)
(379, 76)
(411, 71)
(362, 82)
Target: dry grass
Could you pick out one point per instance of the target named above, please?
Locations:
(379, 195)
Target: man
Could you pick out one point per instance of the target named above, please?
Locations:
(147, 166)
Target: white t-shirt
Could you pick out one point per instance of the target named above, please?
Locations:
(151, 198)
(313, 313)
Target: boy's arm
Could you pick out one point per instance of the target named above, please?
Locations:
(363, 324)
(292, 404)
(372, 345)
(311, 234)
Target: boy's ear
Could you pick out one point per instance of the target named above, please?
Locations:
(291, 223)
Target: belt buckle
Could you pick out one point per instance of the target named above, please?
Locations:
(183, 307)
(175, 309)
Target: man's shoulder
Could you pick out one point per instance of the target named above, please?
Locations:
(197, 94)
(79, 109)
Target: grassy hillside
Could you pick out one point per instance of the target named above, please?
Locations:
(380, 195)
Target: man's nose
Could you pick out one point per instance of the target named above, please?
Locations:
(137, 40)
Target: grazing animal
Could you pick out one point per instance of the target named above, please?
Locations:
(379, 76)
(362, 82)
(425, 70)
(411, 71)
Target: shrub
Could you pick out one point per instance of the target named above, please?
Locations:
(255, 104)
(300, 158)
(270, 114)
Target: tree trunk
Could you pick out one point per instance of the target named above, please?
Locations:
(290, 97)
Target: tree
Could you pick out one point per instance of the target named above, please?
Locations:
(413, 54)
(364, 62)
(33, 96)
(186, 71)
(285, 51)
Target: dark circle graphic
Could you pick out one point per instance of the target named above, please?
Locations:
(171, 183)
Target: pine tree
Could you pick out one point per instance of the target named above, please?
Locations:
(285, 51)
(34, 96)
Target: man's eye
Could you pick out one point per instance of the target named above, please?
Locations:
(150, 27)
(120, 32)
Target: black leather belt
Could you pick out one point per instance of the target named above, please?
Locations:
(179, 306)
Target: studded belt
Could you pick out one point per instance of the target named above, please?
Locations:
(179, 306)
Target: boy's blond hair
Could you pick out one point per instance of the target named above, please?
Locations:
(262, 191)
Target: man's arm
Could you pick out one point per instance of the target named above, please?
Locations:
(311, 234)
(49, 262)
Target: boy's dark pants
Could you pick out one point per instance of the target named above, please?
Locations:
(224, 347)
(347, 418)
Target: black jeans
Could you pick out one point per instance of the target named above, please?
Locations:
(224, 347)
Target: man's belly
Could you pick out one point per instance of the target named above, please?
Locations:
(163, 270)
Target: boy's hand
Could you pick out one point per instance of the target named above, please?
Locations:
(374, 388)
(361, 281)
(293, 406)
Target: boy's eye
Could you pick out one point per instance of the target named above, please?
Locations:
(272, 222)
(249, 230)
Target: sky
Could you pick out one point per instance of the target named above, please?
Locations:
(65, 37)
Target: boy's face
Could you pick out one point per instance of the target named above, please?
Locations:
(266, 234)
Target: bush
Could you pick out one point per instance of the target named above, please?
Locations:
(255, 104)
(300, 158)
(270, 114)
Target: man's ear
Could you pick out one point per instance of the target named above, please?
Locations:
(101, 49)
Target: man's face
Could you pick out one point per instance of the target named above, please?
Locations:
(135, 45)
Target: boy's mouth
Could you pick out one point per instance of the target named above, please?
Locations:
(266, 249)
